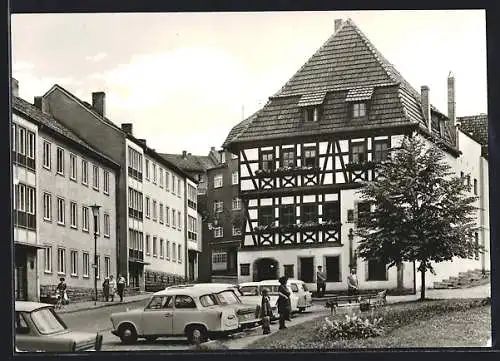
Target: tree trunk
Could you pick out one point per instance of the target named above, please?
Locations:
(422, 289)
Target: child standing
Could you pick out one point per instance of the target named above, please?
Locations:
(265, 312)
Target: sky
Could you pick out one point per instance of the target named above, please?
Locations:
(185, 79)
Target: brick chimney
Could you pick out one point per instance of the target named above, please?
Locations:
(184, 153)
(15, 87)
(99, 102)
(426, 106)
(41, 104)
(451, 98)
(127, 128)
(338, 23)
(142, 141)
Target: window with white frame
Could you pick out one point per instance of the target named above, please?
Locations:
(179, 188)
(218, 180)
(73, 214)
(98, 266)
(162, 249)
(72, 167)
(218, 232)
(107, 266)
(218, 206)
(167, 181)
(236, 203)
(236, 230)
(192, 197)
(154, 211)
(106, 182)
(47, 258)
(95, 177)
(179, 221)
(85, 218)
(47, 159)
(86, 264)
(167, 215)
(134, 164)
(235, 177)
(168, 249)
(192, 228)
(161, 177)
(148, 208)
(60, 211)
(148, 244)
(74, 263)
(173, 218)
(154, 173)
(173, 184)
(161, 213)
(85, 172)
(107, 226)
(47, 206)
(174, 252)
(179, 253)
(61, 260)
(219, 260)
(147, 168)
(154, 247)
(60, 161)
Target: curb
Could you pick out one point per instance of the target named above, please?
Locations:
(104, 305)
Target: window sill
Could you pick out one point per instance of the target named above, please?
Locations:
(106, 193)
(48, 220)
(47, 168)
(85, 276)
(61, 273)
(73, 179)
(61, 224)
(85, 184)
(96, 189)
(106, 236)
(74, 275)
(85, 230)
(74, 227)
(47, 272)
(59, 173)
(155, 256)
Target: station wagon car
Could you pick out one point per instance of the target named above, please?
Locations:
(39, 328)
(304, 296)
(251, 292)
(195, 311)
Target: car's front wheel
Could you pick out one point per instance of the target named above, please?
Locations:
(127, 333)
(302, 309)
(196, 334)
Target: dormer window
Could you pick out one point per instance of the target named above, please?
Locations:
(311, 106)
(358, 99)
(359, 110)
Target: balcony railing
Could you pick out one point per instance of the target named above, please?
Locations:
(285, 171)
(136, 254)
(300, 227)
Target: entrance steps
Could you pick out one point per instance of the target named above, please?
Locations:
(467, 279)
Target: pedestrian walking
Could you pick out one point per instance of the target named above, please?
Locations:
(105, 289)
(320, 282)
(121, 286)
(266, 312)
(62, 296)
(112, 288)
(284, 307)
(352, 283)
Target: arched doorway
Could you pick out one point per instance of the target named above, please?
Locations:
(265, 269)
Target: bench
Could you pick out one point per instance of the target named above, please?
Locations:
(365, 301)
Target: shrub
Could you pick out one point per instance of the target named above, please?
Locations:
(353, 326)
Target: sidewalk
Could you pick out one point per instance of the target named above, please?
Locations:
(89, 305)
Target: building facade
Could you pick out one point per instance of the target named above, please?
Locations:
(303, 155)
(134, 229)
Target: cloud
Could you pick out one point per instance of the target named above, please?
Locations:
(31, 85)
(97, 57)
(22, 66)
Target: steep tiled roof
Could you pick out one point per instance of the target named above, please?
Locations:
(476, 126)
(346, 61)
(193, 163)
(35, 114)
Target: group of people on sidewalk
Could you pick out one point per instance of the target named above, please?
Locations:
(110, 287)
(352, 282)
(283, 303)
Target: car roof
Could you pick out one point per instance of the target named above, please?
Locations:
(194, 289)
(29, 306)
(295, 280)
(270, 282)
(244, 284)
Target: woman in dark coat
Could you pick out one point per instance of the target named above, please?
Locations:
(283, 302)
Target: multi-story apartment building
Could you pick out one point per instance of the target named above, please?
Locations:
(24, 201)
(71, 177)
(303, 155)
(140, 165)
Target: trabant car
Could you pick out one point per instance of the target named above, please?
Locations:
(272, 287)
(197, 311)
(304, 296)
(39, 328)
(251, 292)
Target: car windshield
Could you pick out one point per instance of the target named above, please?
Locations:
(294, 287)
(249, 291)
(47, 322)
(271, 289)
(227, 297)
(208, 300)
(304, 287)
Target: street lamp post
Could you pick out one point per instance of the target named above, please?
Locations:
(95, 212)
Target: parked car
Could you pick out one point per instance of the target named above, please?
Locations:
(197, 311)
(304, 296)
(251, 292)
(39, 328)
(273, 285)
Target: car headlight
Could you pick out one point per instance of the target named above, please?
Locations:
(230, 317)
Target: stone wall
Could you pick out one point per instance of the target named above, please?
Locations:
(79, 294)
(157, 280)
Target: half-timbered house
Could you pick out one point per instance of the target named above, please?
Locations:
(303, 155)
